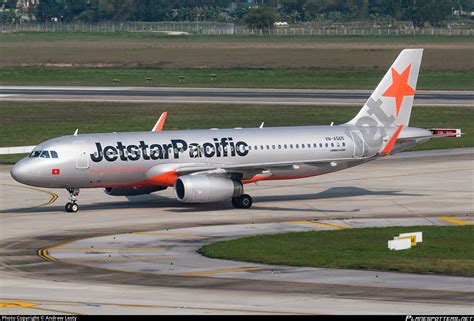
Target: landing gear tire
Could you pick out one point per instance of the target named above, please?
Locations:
(71, 207)
(243, 201)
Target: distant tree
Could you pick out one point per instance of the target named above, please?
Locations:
(260, 18)
(49, 9)
(116, 10)
(314, 8)
(239, 12)
(152, 10)
(432, 11)
(9, 4)
(91, 11)
(438, 11)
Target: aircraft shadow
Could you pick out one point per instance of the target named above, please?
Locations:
(333, 192)
(157, 201)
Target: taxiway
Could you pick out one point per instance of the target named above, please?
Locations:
(47, 264)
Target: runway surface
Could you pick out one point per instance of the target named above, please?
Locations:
(224, 95)
(47, 265)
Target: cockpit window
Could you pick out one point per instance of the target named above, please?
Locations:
(44, 154)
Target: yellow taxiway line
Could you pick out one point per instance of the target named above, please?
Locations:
(319, 224)
(53, 199)
(17, 304)
(453, 220)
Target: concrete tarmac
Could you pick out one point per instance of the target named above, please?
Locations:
(326, 97)
(409, 188)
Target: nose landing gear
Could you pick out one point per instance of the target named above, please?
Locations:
(72, 206)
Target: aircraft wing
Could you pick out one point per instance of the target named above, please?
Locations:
(250, 170)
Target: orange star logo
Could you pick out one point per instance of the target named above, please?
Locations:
(399, 88)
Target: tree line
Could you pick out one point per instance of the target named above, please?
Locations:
(256, 14)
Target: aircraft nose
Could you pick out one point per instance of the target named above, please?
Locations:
(19, 173)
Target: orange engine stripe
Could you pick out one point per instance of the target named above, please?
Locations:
(165, 179)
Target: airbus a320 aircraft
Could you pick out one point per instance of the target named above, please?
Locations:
(212, 165)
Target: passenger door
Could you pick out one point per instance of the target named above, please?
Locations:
(358, 144)
(82, 161)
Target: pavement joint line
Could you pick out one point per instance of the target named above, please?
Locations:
(220, 271)
(55, 310)
(120, 259)
(320, 224)
(170, 234)
(454, 220)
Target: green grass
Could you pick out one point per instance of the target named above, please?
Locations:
(445, 250)
(29, 123)
(261, 78)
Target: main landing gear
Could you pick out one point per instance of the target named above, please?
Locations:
(72, 206)
(243, 201)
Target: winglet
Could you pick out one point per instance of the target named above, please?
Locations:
(389, 147)
(261, 125)
(160, 123)
(75, 133)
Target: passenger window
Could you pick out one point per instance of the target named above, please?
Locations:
(54, 154)
(291, 146)
(327, 145)
(343, 144)
(332, 144)
(44, 154)
(268, 147)
(279, 146)
(286, 146)
(315, 145)
(321, 145)
(261, 147)
(309, 145)
(273, 146)
(297, 146)
(35, 153)
(302, 145)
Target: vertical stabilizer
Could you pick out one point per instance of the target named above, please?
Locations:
(391, 102)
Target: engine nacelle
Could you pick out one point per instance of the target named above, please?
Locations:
(130, 191)
(204, 188)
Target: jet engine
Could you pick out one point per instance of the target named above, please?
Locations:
(204, 188)
(130, 191)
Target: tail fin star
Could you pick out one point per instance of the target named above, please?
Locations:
(400, 87)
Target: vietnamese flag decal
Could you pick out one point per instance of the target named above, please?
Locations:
(55, 171)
